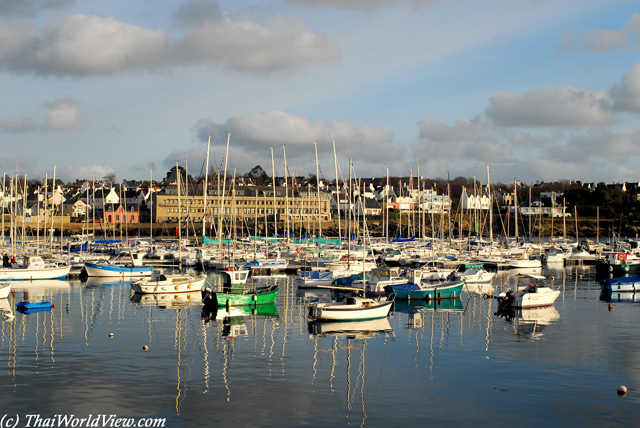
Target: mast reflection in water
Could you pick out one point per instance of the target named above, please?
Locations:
(450, 362)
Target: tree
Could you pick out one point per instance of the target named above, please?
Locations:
(171, 174)
(258, 175)
(110, 178)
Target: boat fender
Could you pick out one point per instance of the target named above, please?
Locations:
(255, 297)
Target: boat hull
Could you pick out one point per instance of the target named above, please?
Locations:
(243, 298)
(99, 269)
(629, 284)
(5, 289)
(446, 290)
(342, 313)
(16, 274)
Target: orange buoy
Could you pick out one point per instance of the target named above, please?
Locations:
(610, 307)
(622, 390)
(110, 334)
(145, 347)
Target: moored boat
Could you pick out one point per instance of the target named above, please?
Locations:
(239, 296)
(351, 309)
(427, 290)
(168, 283)
(625, 284)
(34, 268)
(534, 294)
(128, 267)
(477, 276)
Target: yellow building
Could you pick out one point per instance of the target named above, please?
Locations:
(247, 203)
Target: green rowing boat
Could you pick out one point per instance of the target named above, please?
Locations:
(241, 296)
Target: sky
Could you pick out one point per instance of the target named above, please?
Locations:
(518, 89)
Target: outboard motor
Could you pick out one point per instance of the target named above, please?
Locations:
(208, 296)
(508, 299)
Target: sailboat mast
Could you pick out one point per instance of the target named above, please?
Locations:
(335, 166)
(386, 208)
(515, 207)
(179, 219)
(205, 190)
(315, 147)
(286, 196)
(490, 207)
(224, 186)
(150, 204)
(273, 187)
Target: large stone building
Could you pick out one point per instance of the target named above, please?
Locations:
(244, 203)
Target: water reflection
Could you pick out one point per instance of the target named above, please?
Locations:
(529, 322)
(204, 366)
(613, 296)
(168, 300)
(353, 329)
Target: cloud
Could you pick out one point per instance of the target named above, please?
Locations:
(62, 115)
(254, 134)
(552, 107)
(89, 45)
(17, 124)
(626, 94)
(86, 172)
(26, 8)
(195, 13)
(601, 40)
(282, 47)
(467, 139)
(358, 4)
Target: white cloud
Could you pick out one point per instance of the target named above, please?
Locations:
(626, 94)
(87, 45)
(467, 140)
(16, 124)
(253, 134)
(602, 40)
(551, 107)
(62, 115)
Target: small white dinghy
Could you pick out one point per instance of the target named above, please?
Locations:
(351, 309)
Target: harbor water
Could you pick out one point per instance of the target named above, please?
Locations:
(102, 351)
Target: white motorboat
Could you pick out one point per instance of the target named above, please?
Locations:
(534, 294)
(351, 309)
(34, 268)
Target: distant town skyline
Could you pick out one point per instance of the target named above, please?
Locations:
(536, 90)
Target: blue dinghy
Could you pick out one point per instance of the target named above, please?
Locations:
(34, 305)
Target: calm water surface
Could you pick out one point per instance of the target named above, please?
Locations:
(457, 363)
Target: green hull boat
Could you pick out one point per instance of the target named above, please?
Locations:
(426, 291)
(241, 296)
